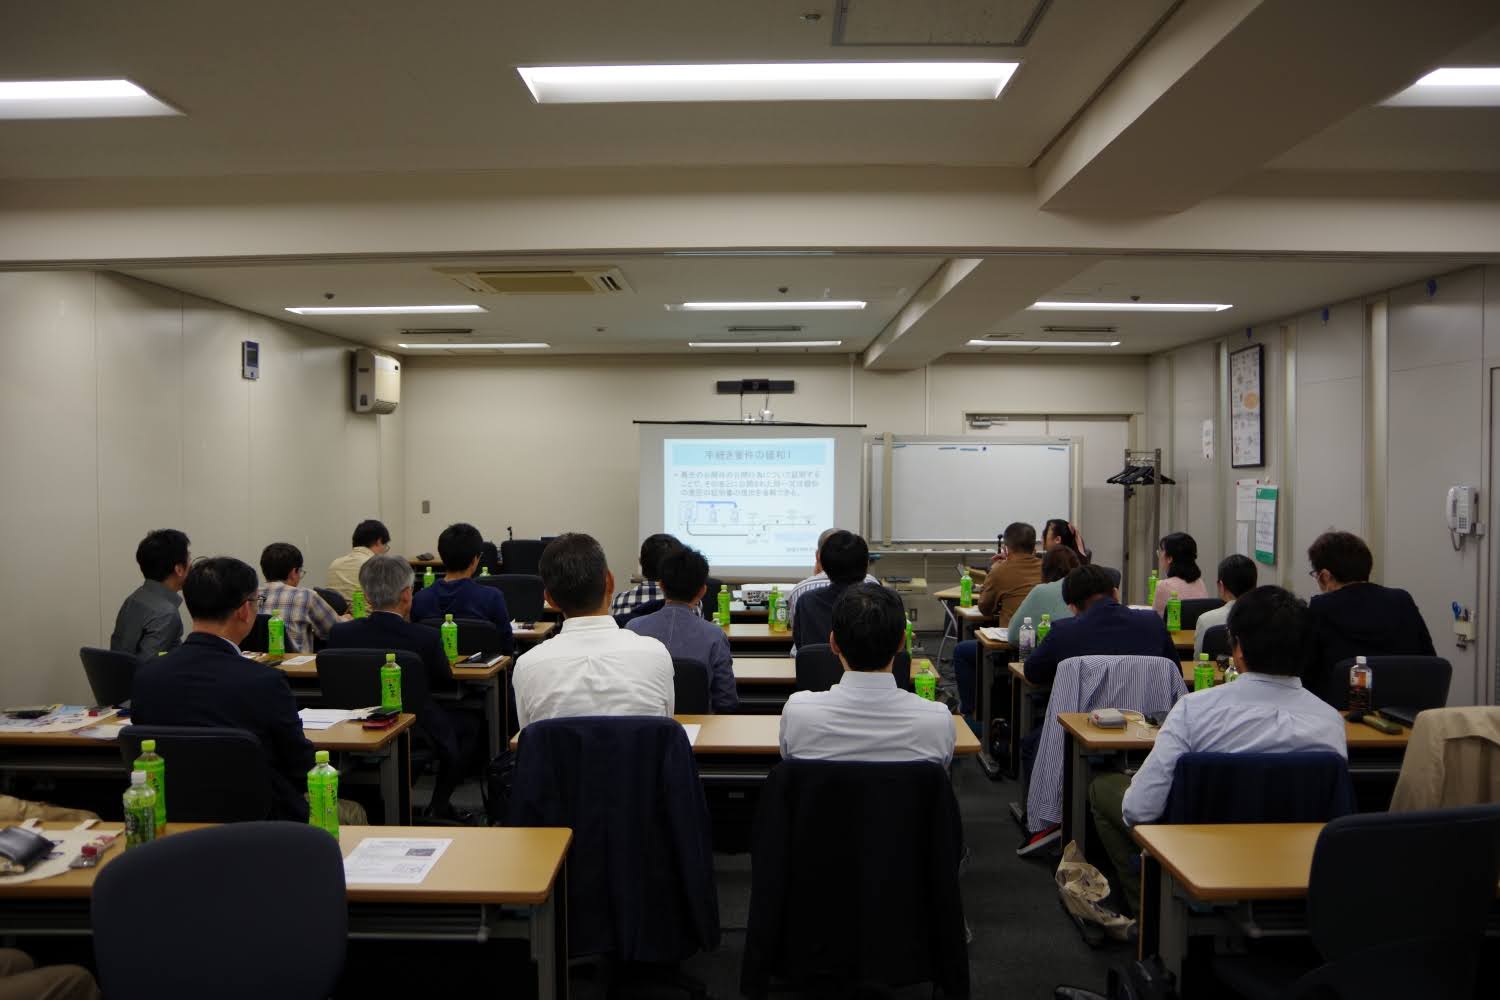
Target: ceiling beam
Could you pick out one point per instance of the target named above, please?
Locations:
(962, 300)
(1229, 85)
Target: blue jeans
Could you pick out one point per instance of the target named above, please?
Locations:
(965, 669)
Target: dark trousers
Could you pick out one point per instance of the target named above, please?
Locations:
(460, 732)
(965, 670)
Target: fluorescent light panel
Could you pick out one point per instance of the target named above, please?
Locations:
(812, 81)
(475, 347)
(78, 99)
(381, 310)
(765, 343)
(1044, 343)
(773, 305)
(1452, 86)
(1164, 307)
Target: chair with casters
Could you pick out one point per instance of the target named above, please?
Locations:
(278, 924)
(1302, 787)
(111, 674)
(334, 598)
(690, 686)
(521, 556)
(1216, 642)
(218, 775)
(523, 594)
(1194, 607)
(1411, 683)
(475, 635)
(818, 668)
(259, 638)
(710, 602)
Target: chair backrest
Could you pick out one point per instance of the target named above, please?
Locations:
(523, 594)
(214, 775)
(350, 678)
(475, 635)
(1193, 608)
(1310, 787)
(1414, 682)
(690, 686)
(1216, 642)
(334, 598)
(1387, 877)
(818, 667)
(111, 675)
(279, 915)
(489, 558)
(259, 639)
(711, 597)
(521, 556)
(1452, 759)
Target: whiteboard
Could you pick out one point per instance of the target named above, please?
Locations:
(968, 489)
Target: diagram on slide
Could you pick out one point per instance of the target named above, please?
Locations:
(723, 518)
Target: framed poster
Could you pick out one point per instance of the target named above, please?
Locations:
(1246, 409)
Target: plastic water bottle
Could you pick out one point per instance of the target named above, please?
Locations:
(323, 794)
(155, 767)
(1174, 613)
(1361, 681)
(1230, 674)
(909, 632)
(449, 629)
(1026, 637)
(1151, 588)
(276, 635)
(140, 811)
(1043, 628)
(390, 684)
(723, 606)
(924, 679)
(966, 591)
(484, 571)
(1203, 673)
(357, 604)
(428, 577)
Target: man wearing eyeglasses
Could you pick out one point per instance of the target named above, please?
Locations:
(206, 682)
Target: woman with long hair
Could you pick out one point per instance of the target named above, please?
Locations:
(1061, 531)
(1177, 570)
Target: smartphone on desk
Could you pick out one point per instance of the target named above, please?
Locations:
(380, 720)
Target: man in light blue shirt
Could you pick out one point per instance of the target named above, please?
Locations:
(1266, 711)
(683, 574)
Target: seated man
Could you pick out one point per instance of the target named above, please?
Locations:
(845, 557)
(1354, 617)
(303, 610)
(1237, 575)
(592, 667)
(817, 581)
(457, 594)
(865, 716)
(387, 581)
(1100, 624)
(1012, 576)
(649, 589)
(206, 682)
(1266, 711)
(370, 539)
(682, 628)
(149, 622)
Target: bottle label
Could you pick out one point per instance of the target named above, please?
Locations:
(140, 824)
(450, 640)
(390, 689)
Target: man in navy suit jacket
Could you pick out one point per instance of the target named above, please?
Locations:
(1101, 625)
(387, 581)
(206, 682)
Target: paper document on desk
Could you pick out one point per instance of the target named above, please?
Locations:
(296, 661)
(324, 718)
(693, 729)
(104, 730)
(393, 861)
(62, 719)
(994, 634)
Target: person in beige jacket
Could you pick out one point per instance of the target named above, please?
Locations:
(1452, 759)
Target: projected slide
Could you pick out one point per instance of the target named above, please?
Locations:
(747, 502)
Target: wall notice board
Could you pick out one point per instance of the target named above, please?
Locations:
(1247, 426)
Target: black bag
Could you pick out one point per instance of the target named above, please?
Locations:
(494, 787)
(1147, 979)
(999, 742)
(21, 848)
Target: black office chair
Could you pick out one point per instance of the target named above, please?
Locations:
(1216, 642)
(214, 775)
(1193, 608)
(521, 556)
(1304, 787)
(350, 678)
(1396, 907)
(711, 598)
(1407, 682)
(334, 598)
(690, 686)
(240, 912)
(475, 635)
(259, 639)
(524, 595)
(818, 668)
(489, 558)
(111, 675)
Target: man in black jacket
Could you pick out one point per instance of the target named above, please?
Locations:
(206, 682)
(387, 581)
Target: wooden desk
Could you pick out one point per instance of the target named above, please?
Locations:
(535, 634)
(485, 876)
(71, 754)
(1184, 641)
(765, 671)
(757, 634)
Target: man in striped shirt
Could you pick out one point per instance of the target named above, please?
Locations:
(303, 610)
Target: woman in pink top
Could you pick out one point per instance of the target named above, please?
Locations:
(1177, 570)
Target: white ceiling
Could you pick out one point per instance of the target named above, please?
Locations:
(1261, 290)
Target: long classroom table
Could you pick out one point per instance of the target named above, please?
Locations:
(490, 882)
(70, 754)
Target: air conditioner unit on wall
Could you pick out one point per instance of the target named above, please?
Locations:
(377, 382)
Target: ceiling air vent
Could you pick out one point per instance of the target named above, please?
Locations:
(781, 328)
(541, 281)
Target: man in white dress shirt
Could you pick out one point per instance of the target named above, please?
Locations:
(865, 716)
(1266, 711)
(592, 667)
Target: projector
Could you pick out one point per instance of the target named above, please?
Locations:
(758, 595)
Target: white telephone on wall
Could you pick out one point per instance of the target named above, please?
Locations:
(1460, 509)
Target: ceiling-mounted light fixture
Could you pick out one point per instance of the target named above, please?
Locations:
(1166, 307)
(809, 81)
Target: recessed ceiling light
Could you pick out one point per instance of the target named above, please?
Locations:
(1164, 307)
(475, 347)
(78, 99)
(772, 305)
(812, 81)
(1044, 343)
(765, 343)
(380, 310)
(1452, 86)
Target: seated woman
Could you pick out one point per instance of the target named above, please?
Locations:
(1046, 597)
(1177, 571)
(1062, 532)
